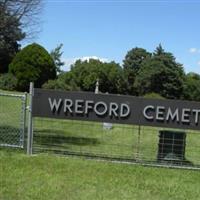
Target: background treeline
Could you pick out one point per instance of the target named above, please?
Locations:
(143, 73)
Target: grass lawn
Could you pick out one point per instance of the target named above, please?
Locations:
(50, 177)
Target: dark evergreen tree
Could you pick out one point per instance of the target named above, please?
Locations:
(10, 35)
(16, 16)
(56, 55)
(33, 63)
(131, 65)
(159, 50)
(161, 74)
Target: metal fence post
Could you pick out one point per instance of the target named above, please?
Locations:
(138, 143)
(24, 107)
(30, 121)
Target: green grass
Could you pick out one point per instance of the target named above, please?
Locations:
(11, 92)
(59, 178)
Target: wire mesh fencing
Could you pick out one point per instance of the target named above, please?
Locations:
(129, 143)
(12, 119)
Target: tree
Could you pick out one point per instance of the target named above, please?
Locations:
(131, 65)
(111, 78)
(10, 34)
(84, 75)
(33, 63)
(56, 55)
(16, 16)
(26, 12)
(192, 87)
(159, 50)
(161, 74)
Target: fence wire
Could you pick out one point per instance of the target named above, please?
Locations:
(144, 145)
(12, 120)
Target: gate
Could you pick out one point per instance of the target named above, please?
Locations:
(122, 128)
(12, 119)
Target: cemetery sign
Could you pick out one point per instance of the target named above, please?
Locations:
(116, 109)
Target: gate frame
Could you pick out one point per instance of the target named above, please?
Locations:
(30, 120)
(139, 162)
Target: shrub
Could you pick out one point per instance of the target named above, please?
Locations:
(56, 85)
(61, 83)
(8, 82)
(192, 87)
(153, 95)
(32, 64)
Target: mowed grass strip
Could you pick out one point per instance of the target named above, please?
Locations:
(59, 178)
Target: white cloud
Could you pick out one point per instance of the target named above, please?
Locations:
(94, 57)
(69, 61)
(198, 63)
(193, 50)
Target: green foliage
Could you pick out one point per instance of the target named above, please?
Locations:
(56, 84)
(161, 74)
(16, 15)
(63, 82)
(8, 82)
(33, 63)
(159, 50)
(56, 55)
(153, 95)
(192, 87)
(85, 74)
(132, 64)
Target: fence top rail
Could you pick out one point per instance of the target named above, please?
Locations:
(13, 95)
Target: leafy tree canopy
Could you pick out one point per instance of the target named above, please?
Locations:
(192, 87)
(17, 20)
(85, 74)
(161, 74)
(64, 81)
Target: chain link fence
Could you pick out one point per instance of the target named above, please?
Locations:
(128, 143)
(12, 119)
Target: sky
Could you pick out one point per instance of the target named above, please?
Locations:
(109, 29)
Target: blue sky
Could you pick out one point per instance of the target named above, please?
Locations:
(108, 29)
